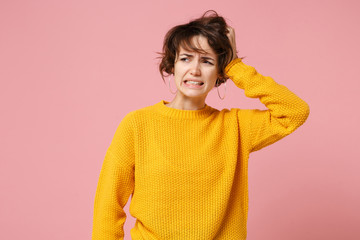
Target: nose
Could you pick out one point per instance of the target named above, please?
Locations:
(195, 68)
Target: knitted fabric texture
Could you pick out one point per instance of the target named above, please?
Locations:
(187, 170)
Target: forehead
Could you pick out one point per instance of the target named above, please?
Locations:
(197, 44)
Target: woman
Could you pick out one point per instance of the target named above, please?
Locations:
(184, 162)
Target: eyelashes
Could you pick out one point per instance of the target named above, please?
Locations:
(185, 59)
(208, 62)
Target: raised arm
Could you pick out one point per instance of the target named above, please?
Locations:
(115, 184)
(286, 111)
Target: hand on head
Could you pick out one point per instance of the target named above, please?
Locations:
(231, 36)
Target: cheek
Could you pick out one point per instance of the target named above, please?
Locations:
(178, 76)
(213, 74)
(178, 70)
(177, 79)
(214, 77)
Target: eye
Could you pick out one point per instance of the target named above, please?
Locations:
(207, 62)
(184, 59)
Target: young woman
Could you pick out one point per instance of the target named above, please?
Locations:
(183, 162)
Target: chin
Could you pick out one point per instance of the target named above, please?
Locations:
(193, 94)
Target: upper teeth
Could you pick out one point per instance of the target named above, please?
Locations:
(193, 82)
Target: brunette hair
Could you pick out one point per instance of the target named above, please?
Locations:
(213, 27)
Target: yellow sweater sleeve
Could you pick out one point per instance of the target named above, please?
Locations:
(286, 111)
(116, 183)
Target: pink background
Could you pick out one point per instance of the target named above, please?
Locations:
(71, 70)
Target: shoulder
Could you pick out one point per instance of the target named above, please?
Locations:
(138, 115)
(130, 122)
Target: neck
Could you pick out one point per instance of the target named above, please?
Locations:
(187, 103)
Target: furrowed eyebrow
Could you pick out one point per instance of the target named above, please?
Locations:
(208, 58)
(189, 55)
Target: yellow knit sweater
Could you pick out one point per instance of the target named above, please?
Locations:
(187, 170)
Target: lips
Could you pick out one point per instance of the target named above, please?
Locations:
(193, 80)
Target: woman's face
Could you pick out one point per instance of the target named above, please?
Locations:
(196, 73)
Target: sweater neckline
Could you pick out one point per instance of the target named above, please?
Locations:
(183, 114)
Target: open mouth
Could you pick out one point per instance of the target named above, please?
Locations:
(194, 82)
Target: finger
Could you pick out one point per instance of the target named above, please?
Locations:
(230, 28)
(231, 31)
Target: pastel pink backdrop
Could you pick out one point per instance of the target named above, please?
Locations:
(71, 70)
